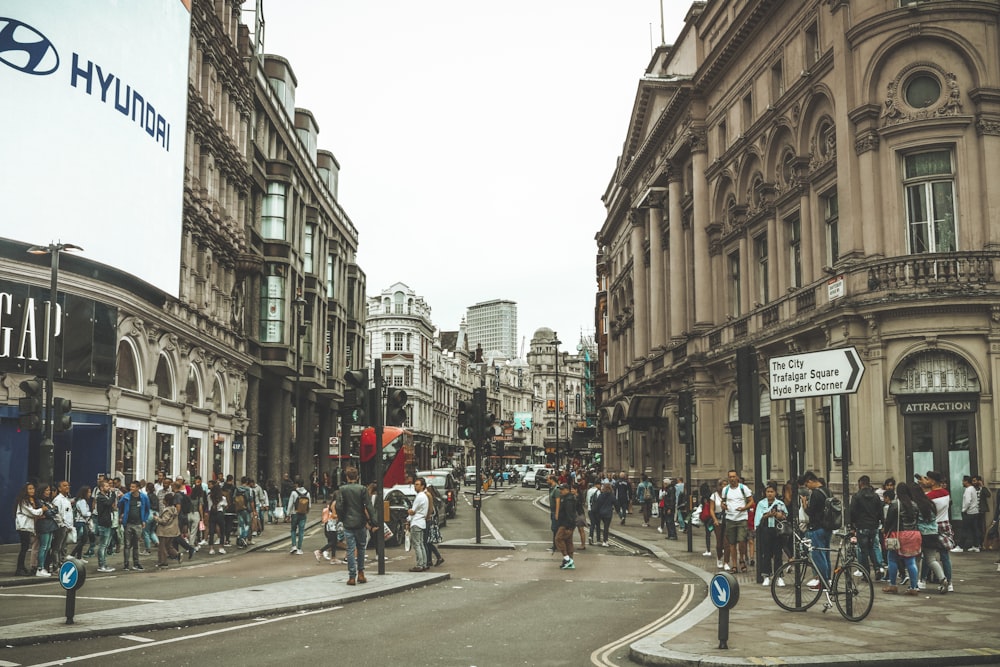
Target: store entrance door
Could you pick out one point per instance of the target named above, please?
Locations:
(946, 443)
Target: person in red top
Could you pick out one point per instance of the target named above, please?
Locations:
(933, 485)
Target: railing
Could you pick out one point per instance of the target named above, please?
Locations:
(930, 270)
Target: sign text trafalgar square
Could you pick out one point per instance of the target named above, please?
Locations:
(823, 373)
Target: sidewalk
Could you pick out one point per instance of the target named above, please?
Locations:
(958, 628)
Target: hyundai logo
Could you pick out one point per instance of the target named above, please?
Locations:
(25, 49)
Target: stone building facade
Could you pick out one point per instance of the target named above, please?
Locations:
(800, 177)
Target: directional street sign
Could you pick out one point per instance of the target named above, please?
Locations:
(823, 373)
(71, 577)
(724, 590)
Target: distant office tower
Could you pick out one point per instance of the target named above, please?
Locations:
(493, 324)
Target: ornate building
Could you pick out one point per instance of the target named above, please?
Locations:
(801, 177)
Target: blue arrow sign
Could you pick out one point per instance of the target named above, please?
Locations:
(720, 592)
(68, 575)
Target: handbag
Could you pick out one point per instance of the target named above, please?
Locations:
(71, 536)
(892, 543)
(434, 534)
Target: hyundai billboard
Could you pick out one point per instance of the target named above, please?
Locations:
(94, 123)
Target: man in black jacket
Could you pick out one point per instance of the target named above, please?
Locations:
(354, 507)
(866, 516)
(815, 531)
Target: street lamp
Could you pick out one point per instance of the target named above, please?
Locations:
(298, 304)
(46, 459)
(556, 342)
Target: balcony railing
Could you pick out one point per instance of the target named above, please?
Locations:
(932, 270)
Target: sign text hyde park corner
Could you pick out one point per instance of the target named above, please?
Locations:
(823, 373)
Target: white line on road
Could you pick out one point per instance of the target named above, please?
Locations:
(135, 638)
(602, 656)
(300, 614)
(63, 596)
(4, 663)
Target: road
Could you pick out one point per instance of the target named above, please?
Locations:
(498, 607)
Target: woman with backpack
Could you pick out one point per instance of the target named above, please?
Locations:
(705, 515)
(216, 508)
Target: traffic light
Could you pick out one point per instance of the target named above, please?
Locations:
(487, 426)
(356, 397)
(466, 417)
(30, 407)
(61, 419)
(395, 407)
(685, 417)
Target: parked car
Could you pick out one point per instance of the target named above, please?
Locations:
(535, 477)
(443, 483)
(410, 493)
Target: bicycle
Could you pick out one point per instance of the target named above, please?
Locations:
(850, 589)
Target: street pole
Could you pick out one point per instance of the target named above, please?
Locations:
(688, 453)
(556, 342)
(46, 454)
(298, 304)
(379, 495)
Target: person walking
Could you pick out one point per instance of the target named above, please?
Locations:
(45, 526)
(416, 523)
(682, 504)
(432, 528)
(566, 520)
(644, 494)
(104, 508)
(717, 516)
(595, 519)
(331, 530)
(26, 513)
(737, 501)
(298, 508)
(604, 507)
(81, 520)
(167, 529)
(623, 496)
(668, 509)
(134, 511)
(865, 514)
(215, 505)
(770, 511)
(65, 522)
(705, 515)
(901, 524)
(354, 507)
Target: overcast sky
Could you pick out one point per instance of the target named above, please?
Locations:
(475, 138)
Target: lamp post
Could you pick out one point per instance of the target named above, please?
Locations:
(556, 342)
(298, 304)
(46, 460)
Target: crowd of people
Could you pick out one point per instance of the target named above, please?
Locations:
(904, 533)
(133, 519)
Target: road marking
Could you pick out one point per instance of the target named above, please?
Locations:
(4, 663)
(134, 638)
(601, 656)
(63, 661)
(80, 597)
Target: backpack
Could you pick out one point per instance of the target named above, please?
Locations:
(302, 505)
(706, 512)
(186, 505)
(240, 501)
(833, 512)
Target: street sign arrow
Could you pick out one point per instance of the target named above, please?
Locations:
(823, 373)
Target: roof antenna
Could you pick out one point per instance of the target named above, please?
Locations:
(663, 35)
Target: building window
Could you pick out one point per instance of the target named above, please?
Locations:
(930, 201)
(794, 228)
(747, 112)
(409, 342)
(329, 276)
(307, 249)
(812, 45)
(734, 284)
(831, 215)
(407, 376)
(398, 341)
(777, 81)
(272, 308)
(272, 217)
(388, 341)
(760, 251)
(723, 136)
(398, 303)
(922, 90)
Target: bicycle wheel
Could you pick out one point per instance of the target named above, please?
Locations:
(795, 594)
(853, 592)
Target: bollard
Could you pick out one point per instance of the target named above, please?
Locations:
(72, 576)
(725, 593)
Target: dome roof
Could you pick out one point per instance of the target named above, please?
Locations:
(543, 335)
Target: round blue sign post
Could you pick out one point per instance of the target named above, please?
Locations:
(72, 576)
(725, 593)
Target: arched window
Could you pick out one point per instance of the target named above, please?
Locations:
(164, 379)
(128, 376)
(398, 298)
(193, 387)
(219, 395)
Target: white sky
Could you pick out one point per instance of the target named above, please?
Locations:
(475, 138)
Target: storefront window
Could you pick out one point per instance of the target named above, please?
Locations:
(194, 456)
(124, 453)
(165, 453)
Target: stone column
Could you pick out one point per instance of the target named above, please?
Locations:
(657, 275)
(676, 262)
(806, 243)
(773, 266)
(640, 291)
(702, 267)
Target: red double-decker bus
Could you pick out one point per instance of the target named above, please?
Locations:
(397, 455)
